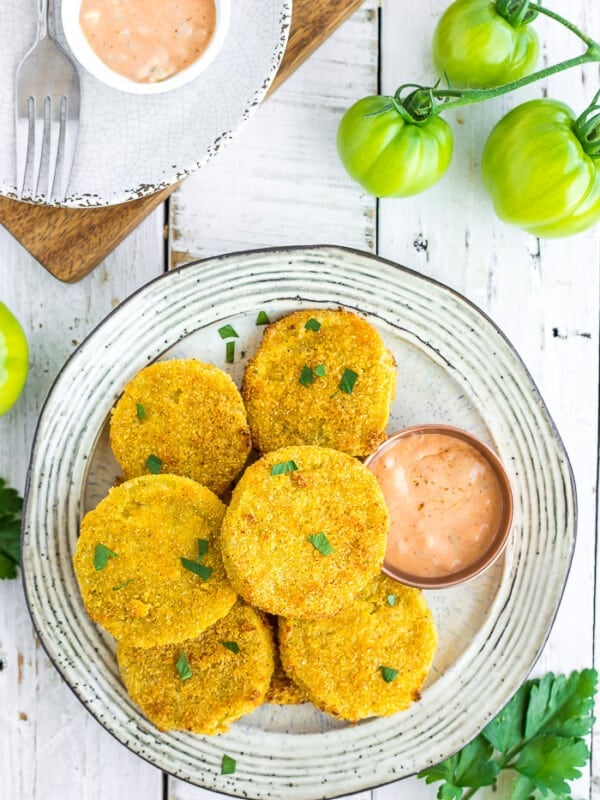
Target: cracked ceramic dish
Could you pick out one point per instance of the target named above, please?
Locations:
(131, 145)
(454, 367)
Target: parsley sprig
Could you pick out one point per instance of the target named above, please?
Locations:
(538, 735)
(10, 531)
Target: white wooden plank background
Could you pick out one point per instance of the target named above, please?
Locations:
(281, 183)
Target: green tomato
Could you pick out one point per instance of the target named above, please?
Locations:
(14, 359)
(389, 156)
(473, 46)
(537, 172)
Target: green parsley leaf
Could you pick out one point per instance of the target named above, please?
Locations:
(313, 325)
(321, 543)
(538, 734)
(549, 761)
(101, 556)
(122, 585)
(202, 548)
(154, 464)
(228, 332)
(320, 371)
(284, 466)
(391, 599)
(10, 502)
(10, 539)
(263, 318)
(228, 765)
(472, 766)
(507, 729)
(233, 646)
(307, 376)
(388, 674)
(183, 667)
(140, 411)
(229, 352)
(10, 531)
(8, 568)
(198, 569)
(347, 382)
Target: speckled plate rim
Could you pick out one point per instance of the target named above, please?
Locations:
(379, 742)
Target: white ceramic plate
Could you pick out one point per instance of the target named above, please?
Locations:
(454, 366)
(133, 145)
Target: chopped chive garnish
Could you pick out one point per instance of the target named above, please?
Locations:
(101, 556)
(388, 674)
(229, 352)
(321, 543)
(263, 318)
(154, 464)
(313, 325)
(198, 569)
(320, 371)
(202, 548)
(391, 598)
(228, 765)
(233, 646)
(228, 332)
(307, 376)
(284, 466)
(348, 380)
(122, 585)
(140, 411)
(183, 667)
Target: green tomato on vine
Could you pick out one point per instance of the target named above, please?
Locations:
(476, 46)
(389, 155)
(541, 166)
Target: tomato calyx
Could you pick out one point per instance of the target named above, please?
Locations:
(417, 106)
(587, 128)
(517, 12)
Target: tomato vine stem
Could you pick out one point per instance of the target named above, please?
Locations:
(421, 103)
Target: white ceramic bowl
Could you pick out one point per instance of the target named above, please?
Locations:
(87, 57)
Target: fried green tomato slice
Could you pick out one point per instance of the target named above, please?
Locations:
(369, 660)
(305, 531)
(128, 561)
(320, 377)
(204, 684)
(282, 691)
(181, 417)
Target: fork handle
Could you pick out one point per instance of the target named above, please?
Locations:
(43, 12)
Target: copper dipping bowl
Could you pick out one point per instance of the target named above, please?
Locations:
(500, 538)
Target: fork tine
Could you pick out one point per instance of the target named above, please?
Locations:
(24, 120)
(55, 125)
(69, 136)
(39, 106)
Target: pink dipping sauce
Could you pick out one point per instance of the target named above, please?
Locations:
(445, 503)
(148, 40)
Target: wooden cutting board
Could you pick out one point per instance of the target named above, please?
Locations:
(69, 243)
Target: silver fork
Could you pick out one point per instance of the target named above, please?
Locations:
(47, 115)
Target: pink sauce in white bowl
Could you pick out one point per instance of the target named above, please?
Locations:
(145, 46)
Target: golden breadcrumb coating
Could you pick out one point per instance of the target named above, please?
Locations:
(282, 411)
(338, 662)
(143, 594)
(223, 685)
(282, 691)
(187, 414)
(267, 552)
